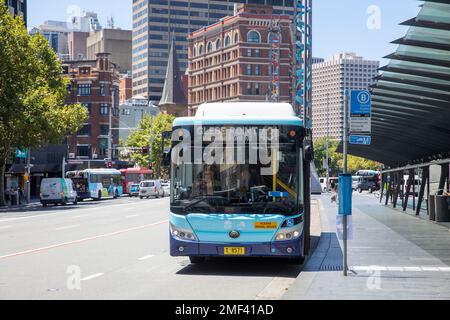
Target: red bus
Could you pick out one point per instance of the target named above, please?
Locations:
(132, 176)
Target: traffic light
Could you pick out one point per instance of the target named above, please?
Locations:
(110, 165)
(145, 151)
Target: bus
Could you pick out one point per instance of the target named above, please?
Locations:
(97, 184)
(240, 183)
(132, 176)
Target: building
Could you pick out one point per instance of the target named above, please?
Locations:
(92, 84)
(56, 33)
(126, 88)
(69, 39)
(77, 45)
(153, 21)
(174, 100)
(317, 60)
(230, 61)
(115, 41)
(329, 80)
(132, 112)
(18, 8)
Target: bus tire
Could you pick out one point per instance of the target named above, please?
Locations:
(197, 260)
(99, 196)
(116, 194)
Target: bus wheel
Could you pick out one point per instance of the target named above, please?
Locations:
(116, 194)
(196, 260)
(99, 196)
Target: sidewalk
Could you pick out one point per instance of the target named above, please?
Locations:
(392, 256)
(33, 204)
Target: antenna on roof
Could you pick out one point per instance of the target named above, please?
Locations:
(110, 23)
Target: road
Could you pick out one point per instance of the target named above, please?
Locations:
(118, 249)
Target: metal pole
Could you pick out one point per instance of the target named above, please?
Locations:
(110, 123)
(345, 138)
(64, 167)
(28, 182)
(328, 142)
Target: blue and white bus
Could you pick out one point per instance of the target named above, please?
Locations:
(97, 184)
(225, 202)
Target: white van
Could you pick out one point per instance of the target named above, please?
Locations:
(58, 191)
(151, 188)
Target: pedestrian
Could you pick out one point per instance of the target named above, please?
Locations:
(334, 197)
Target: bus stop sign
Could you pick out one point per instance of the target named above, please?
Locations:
(345, 195)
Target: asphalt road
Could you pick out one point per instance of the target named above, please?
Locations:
(118, 249)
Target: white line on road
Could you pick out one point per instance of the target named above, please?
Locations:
(146, 258)
(5, 227)
(132, 216)
(93, 276)
(68, 227)
(401, 268)
(80, 216)
(54, 246)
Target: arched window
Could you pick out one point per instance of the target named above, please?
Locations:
(273, 38)
(236, 38)
(218, 44)
(200, 50)
(253, 37)
(194, 51)
(227, 41)
(209, 47)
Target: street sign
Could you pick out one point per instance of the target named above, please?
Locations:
(361, 140)
(361, 125)
(345, 194)
(361, 103)
(360, 115)
(23, 154)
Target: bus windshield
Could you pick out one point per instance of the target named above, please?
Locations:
(239, 188)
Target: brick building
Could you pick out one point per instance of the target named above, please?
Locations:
(126, 88)
(92, 85)
(231, 59)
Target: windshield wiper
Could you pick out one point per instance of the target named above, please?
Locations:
(201, 199)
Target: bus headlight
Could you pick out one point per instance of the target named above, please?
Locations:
(287, 234)
(182, 234)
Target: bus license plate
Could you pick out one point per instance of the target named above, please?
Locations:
(234, 251)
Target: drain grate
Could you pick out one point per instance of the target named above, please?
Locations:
(331, 268)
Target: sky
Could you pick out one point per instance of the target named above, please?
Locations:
(338, 25)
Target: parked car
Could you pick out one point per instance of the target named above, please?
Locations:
(151, 188)
(57, 191)
(134, 190)
(166, 187)
(323, 184)
(355, 182)
(367, 183)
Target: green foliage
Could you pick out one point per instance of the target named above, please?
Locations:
(32, 92)
(149, 134)
(337, 159)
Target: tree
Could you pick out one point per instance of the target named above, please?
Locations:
(149, 134)
(32, 93)
(337, 159)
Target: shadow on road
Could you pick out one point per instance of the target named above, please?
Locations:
(246, 267)
(52, 208)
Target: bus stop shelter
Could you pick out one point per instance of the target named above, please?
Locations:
(411, 112)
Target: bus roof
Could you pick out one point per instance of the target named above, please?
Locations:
(106, 171)
(243, 113)
(136, 170)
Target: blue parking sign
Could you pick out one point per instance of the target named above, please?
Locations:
(361, 103)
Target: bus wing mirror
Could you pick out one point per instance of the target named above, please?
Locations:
(166, 158)
(309, 154)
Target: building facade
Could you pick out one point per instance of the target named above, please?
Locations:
(56, 33)
(126, 88)
(132, 112)
(94, 84)
(329, 81)
(231, 60)
(115, 41)
(18, 8)
(153, 22)
(77, 45)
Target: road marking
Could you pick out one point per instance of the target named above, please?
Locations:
(68, 227)
(132, 216)
(5, 227)
(60, 213)
(80, 216)
(275, 289)
(400, 269)
(92, 277)
(146, 258)
(54, 246)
